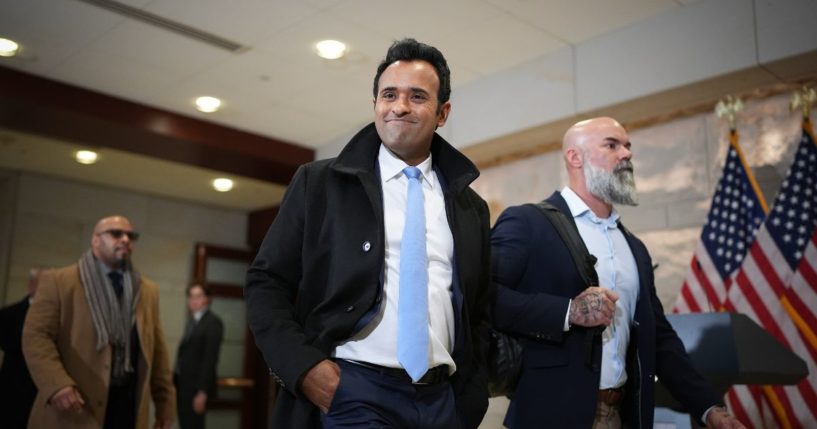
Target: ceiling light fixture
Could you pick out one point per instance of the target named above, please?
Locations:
(330, 49)
(208, 104)
(222, 184)
(8, 48)
(86, 157)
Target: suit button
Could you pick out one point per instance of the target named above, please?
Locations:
(350, 308)
(367, 246)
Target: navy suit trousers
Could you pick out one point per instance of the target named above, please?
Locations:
(365, 398)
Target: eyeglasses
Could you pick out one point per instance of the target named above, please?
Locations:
(118, 233)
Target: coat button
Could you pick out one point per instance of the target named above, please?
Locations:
(350, 308)
(367, 246)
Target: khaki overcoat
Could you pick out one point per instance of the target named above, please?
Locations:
(59, 344)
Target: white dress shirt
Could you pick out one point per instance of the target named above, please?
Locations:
(376, 343)
(617, 271)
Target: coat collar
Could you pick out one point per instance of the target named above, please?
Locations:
(360, 156)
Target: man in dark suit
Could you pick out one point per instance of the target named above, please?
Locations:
(591, 354)
(341, 351)
(17, 390)
(197, 359)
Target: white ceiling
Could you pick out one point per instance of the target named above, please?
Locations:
(278, 87)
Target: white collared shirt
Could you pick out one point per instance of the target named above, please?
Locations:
(617, 271)
(377, 342)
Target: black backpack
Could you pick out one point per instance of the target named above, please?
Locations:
(505, 350)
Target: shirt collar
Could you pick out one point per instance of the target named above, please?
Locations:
(197, 315)
(579, 209)
(391, 167)
(106, 269)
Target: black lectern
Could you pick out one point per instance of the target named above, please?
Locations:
(730, 348)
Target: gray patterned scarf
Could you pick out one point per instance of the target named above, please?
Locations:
(113, 318)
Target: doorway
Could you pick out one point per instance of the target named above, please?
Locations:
(243, 381)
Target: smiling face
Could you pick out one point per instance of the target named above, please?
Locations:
(111, 242)
(407, 110)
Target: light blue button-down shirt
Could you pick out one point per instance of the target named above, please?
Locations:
(617, 271)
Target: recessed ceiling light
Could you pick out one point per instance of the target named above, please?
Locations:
(222, 184)
(8, 48)
(208, 104)
(86, 156)
(330, 49)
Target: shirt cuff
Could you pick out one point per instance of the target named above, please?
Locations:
(706, 413)
(567, 319)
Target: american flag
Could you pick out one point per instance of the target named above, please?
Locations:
(736, 212)
(775, 286)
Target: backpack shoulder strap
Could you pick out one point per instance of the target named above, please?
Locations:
(585, 262)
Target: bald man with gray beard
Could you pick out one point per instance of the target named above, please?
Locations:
(591, 354)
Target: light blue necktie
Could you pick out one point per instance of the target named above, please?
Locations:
(412, 311)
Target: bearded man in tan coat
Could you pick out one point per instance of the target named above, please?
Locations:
(94, 343)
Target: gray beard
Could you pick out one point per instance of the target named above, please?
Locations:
(615, 187)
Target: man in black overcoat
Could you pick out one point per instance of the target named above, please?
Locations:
(325, 289)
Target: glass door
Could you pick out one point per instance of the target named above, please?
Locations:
(243, 395)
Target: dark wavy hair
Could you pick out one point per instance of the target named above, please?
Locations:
(412, 50)
(207, 291)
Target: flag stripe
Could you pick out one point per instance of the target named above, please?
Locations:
(700, 294)
(770, 265)
(807, 389)
(755, 301)
(711, 283)
(735, 398)
(688, 303)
